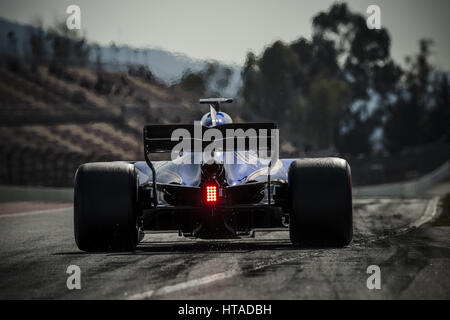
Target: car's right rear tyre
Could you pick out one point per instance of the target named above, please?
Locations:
(320, 193)
(105, 207)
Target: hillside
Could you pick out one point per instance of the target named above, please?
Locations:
(51, 121)
(165, 65)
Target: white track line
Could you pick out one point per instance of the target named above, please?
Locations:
(32, 213)
(429, 214)
(204, 280)
(185, 285)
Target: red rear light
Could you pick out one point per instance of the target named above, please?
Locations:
(211, 193)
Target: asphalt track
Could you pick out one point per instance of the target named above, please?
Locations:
(396, 234)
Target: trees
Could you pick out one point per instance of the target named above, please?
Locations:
(439, 117)
(328, 88)
(209, 81)
(67, 46)
(193, 82)
(365, 65)
(37, 45)
(339, 88)
(421, 112)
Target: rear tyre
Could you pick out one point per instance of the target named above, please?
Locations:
(105, 207)
(320, 193)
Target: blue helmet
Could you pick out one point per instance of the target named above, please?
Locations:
(221, 118)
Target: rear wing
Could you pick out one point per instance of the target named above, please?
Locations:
(163, 138)
(215, 101)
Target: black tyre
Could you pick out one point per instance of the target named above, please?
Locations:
(320, 192)
(105, 207)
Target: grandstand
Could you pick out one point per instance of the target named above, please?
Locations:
(52, 122)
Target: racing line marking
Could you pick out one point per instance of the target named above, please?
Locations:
(429, 214)
(206, 280)
(185, 285)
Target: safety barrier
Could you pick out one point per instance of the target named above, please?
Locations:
(18, 193)
(416, 187)
(411, 188)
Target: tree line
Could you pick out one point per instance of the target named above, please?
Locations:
(341, 89)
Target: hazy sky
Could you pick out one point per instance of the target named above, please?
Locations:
(226, 30)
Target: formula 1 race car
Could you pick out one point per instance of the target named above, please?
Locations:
(228, 194)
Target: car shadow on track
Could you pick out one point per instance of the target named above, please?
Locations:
(192, 247)
(212, 246)
(170, 243)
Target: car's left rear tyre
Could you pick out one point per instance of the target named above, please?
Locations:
(105, 207)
